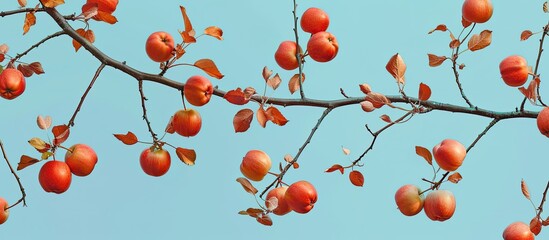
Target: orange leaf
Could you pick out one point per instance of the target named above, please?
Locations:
(61, 133)
(386, 118)
(22, 3)
(335, 167)
(356, 178)
(276, 116)
(293, 84)
(525, 35)
(435, 61)
(425, 153)
(424, 92)
(26, 161)
(524, 189)
(274, 82)
(128, 139)
(214, 32)
(545, 222)
(397, 68)
(262, 116)
(455, 177)
(52, 3)
(248, 187)
(377, 98)
(254, 212)
(480, 41)
(455, 43)
(236, 97)
(188, 34)
(266, 73)
(535, 225)
(465, 23)
(30, 20)
(105, 17)
(440, 27)
(365, 88)
(43, 122)
(209, 67)
(169, 127)
(179, 51)
(265, 220)
(531, 92)
(188, 156)
(242, 120)
(75, 43)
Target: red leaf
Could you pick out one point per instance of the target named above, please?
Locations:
(25, 162)
(265, 220)
(525, 35)
(187, 156)
(36, 67)
(248, 187)
(465, 23)
(60, 133)
(262, 116)
(480, 41)
(356, 178)
(455, 177)
(531, 92)
(236, 97)
(242, 120)
(440, 27)
(424, 92)
(535, 225)
(276, 116)
(209, 67)
(435, 61)
(293, 84)
(335, 167)
(105, 17)
(524, 189)
(425, 153)
(169, 128)
(455, 43)
(397, 68)
(254, 212)
(386, 118)
(214, 32)
(25, 69)
(128, 139)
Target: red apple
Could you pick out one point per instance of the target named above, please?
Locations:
(518, 231)
(255, 165)
(279, 193)
(4, 212)
(543, 121)
(514, 70)
(81, 159)
(286, 55)
(155, 162)
(439, 205)
(301, 196)
(408, 200)
(187, 122)
(160, 46)
(322, 46)
(449, 154)
(55, 176)
(12, 83)
(198, 90)
(314, 20)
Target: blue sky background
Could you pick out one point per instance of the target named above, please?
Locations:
(119, 201)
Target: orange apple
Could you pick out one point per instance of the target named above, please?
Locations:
(187, 122)
(81, 159)
(449, 154)
(255, 165)
(279, 193)
(12, 83)
(322, 46)
(285, 55)
(4, 212)
(55, 176)
(155, 162)
(477, 11)
(198, 90)
(518, 231)
(314, 20)
(160, 46)
(439, 205)
(301, 196)
(514, 70)
(408, 200)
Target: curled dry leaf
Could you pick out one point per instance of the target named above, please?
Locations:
(524, 189)
(271, 203)
(425, 153)
(249, 92)
(440, 27)
(52, 3)
(25, 69)
(236, 97)
(188, 34)
(60, 133)
(377, 98)
(397, 68)
(26, 161)
(424, 92)
(531, 92)
(22, 3)
(106, 17)
(187, 156)
(335, 167)
(169, 127)
(454, 43)
(254, 212)
(365, 88)
(545, 222)
(87, 34)
(525, 35)
(128, 138)
(36, 67)
(248, 187)
(465, 23)
(535, 225)
(209, 67)
(386, 118)
(455, 177)
(43, 122)
(435, 61)
(266, 73)
(293, 84)
(39, 144)
(46, 155)
(262, 116)
(214, 31)
(242, 120)
(30, 20)
(274, 82)
(265, 220)
(179, 51)
(356, 178)
(275, 116)
(480, 41)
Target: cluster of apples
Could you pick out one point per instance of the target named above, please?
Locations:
(321, 47)
(439, 205)
(299, 197)
(56, 176)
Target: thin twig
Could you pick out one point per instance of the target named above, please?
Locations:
(71, 121)
(540, 51)
(455, 68)
(298, 54)
(23, 194)
(490, 125)
(540, 208)
(57, 34)
(143, 99)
